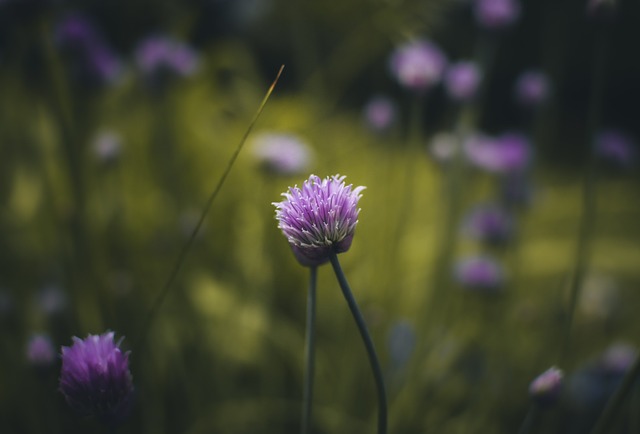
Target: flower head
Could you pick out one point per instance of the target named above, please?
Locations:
(490, 223)
(160, 55)
(545, 389)
(480, 273)
(418, 64)
(461, 81)
(285, 154)
(507, 154)
(496, 14)
(40, 351)
(95, 378)
(615, 148)
(320, 218)
(532, 88)
(380, 113)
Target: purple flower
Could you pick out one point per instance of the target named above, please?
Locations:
(545, 389)
(107, 146)
(158, 55)
(618, 358)
(320, 218)
(380, 113)
(418, 64)
(615, 148)
(461, 81)
(496, 14)
(490, 223)
(444, 146)
(91, 57)
(532, 88)
(40, 351)
(480, 273)
(509, 153)
(281, 153)
(95, 378)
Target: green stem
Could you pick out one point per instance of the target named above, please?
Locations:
(187, 246)
(309, 352)
(368, 343)
(589, 206)
(529, 421)
(614, 404)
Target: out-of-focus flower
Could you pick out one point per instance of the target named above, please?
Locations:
(380, 113)
(461, 81)
(95, 378)
(107, 146)
(491, 224)
(320, 218)
(603, 10)
(599, 297)
(509, 153)
(444, 146)
(618, 358)
(545, 389)
(40, 351)
(418, 65)
(160, 55)
(51, 300)
(532, 88)
(480, 273)
(496, 14)
(401, 343)
(615, 148)
(282, 153)
(91, 59)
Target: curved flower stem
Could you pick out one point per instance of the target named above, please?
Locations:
(368, 343)
(309, 352)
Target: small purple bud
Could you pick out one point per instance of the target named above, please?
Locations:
(545, 389)
(618, 358)
(480, 273)
(418, 65)
(320, 218)
(95, 378)
(532, 88)
(462, 80)
(40, 351)
(615, 148)
(490, 224)
(496, 14)
(380, 113)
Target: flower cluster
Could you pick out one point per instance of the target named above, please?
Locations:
(95, 378)
(320, 218)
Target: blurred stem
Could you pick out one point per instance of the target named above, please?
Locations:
(615, 402)
(530, 420)
(309, 352)
(366, 339)
(589, 184)
(187, 246)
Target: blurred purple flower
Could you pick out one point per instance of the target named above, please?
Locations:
(95, 378)
(618, 358)
(603, 10)
(462, 80)
(320, 218)
(532, 88)
(159, 55)
(418, 65)
(545, 389)
(282, 153)
(91, 58)
(444, 146)
(107, 146)
(615, 148)
(380, 113)
(491, 224)
(480, 273)
(496, 14)
(509, 153)
(40, 351)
